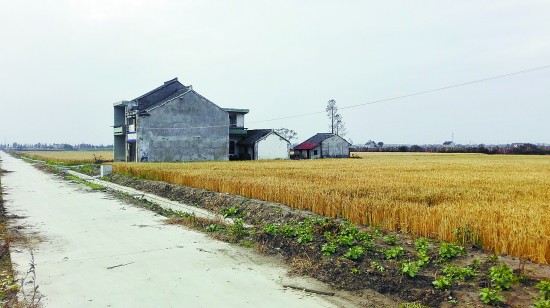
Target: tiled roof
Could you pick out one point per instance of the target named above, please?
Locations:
(170, 89)
(313, 141)
(253, 135)
(306, 146)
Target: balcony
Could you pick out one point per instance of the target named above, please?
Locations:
(234, 130)
(120, 130)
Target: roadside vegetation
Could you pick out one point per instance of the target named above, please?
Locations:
(416, 270)
(494, 202)
(8, 285)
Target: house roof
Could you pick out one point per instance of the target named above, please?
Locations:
(448, 143)
(236, 110)
(306, 145)
(169, 90)
(255, 135)
(313, 141)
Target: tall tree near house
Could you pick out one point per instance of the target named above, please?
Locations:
(340, 129)
(336, 123)
(286, 133)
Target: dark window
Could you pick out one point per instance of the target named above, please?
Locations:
(231, 147)
(233, 120)
(314, 152)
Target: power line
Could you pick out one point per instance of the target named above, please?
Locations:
(377, 101)
(413, 94)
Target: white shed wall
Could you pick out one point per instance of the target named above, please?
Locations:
(335, 146)
(272, 147)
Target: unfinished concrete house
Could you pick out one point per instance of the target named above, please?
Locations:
(175, 123)
(323, 145)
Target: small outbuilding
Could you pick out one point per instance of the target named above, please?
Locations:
(323, 145)
(263, 144)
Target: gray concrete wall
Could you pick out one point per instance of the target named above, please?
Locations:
(335, 146)
(120, 148)
(119, 143)
(187, 129)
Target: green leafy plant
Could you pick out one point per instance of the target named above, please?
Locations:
(544, 289)
(543, 301)
(501, 276)
(375, 265)
(393, 253)
(391, 239)
(346, 239)
(460, 273)
(270, 228)
(329, 248)
(305, 237)
(492, 258)
(237, 230)
(213, 228)
(354, 252)
(491, 296)
(443, 282)
(423, 258)
(412, 305)
(422, 244)
(476, 263)
(449, 251)
(410, 268)
(287, 230)
(376, 230)
(354, 271)
(233, 211)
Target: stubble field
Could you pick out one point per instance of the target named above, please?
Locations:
(501, 201)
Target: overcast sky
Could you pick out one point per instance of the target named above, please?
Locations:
(64, 63)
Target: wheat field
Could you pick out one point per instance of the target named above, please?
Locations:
(69, 157)
(503, 199)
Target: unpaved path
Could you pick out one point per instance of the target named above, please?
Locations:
(99, 252)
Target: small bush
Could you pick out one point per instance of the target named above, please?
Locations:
(394, 252)
(491, 296)
(410, 268)
(501, 276)
(391, 239)
(422, 244)
(443, 282)
(449, 251)
(354, 253)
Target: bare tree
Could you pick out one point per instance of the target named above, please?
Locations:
(286, 133)
(336, 122)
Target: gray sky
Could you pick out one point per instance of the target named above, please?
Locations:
(64, 63)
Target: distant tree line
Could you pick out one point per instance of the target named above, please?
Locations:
(54, 146)
(519, 149)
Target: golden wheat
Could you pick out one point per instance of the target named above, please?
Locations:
(69, 157)
(504, 199)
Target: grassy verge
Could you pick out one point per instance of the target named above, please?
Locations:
(81, 181)
(8, 286)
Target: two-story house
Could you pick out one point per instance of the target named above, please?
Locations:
(175, 123)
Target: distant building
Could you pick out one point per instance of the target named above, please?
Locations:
(448, 144)
(323, 145)
(175, 123)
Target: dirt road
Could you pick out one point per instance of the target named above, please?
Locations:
(96, 251)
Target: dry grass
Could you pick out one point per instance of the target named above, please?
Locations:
(505, 199)
(69, 157)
